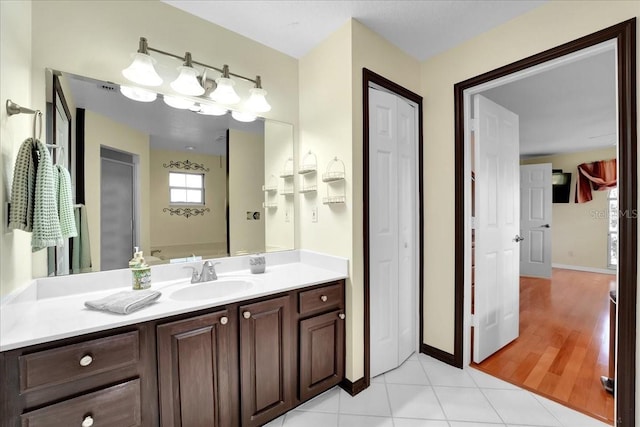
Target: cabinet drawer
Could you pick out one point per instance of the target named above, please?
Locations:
(320, 299)
(117, 406)
(71, 362)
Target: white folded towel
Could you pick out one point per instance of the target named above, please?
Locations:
(124, 302)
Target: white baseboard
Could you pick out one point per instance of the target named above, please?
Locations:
(587, 269)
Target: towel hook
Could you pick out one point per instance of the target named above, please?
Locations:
(37, 120)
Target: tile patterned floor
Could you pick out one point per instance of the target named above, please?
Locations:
(424, 392)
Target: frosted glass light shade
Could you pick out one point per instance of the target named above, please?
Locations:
(138, 94)
(257, 102)
(212, 110)
(177, 102)
(141, 71)
(187, 82)
(243, 116)
(225, 93)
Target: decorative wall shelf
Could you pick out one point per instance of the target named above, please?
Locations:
(335, 171)
(309, 164)
(308, 174)
(287, 169)
(266, 205)
(334, 177)
(272, 185)
(309, 189)
(333, 200)
(286, 192)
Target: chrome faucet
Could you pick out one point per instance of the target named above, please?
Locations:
(207, 274)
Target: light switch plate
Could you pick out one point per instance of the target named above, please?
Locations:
(314, 214)
(287, 216)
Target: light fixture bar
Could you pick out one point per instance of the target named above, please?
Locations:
(145, 48)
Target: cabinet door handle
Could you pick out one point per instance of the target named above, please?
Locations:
(86, 360)
(246, 314)
(342, 316)
(224, 320)
(87, 421)
(323, 298)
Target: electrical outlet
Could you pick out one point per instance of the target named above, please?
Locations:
(314, 214)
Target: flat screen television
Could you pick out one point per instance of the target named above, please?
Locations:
(561, 186)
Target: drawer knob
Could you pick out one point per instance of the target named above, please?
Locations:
(323, 298)
(342, 316)
(246, 314)
(224, 320)
(86, 361)
(88, 421)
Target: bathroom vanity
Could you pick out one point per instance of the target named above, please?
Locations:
(240, 359)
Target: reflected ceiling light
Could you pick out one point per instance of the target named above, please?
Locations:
(138, 94)
(187, 82)
(257, 101)
(212, 110)
(190, 83)
(243, 116)
(177, 102)
(142, 69)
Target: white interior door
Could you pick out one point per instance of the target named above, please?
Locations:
(392, 230)
(497, 176)
(535, 220)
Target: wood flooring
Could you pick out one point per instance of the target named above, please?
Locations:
(563, 347)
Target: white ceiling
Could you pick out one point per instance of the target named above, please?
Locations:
(418, 27)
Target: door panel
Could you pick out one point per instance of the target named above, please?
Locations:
(497, 177)
(536, 219)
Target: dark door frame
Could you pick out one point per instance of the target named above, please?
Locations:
(625, 36)
(369, 76)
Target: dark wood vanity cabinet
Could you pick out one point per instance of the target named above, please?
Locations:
(243, 364)
(196, 385)
(266, 368)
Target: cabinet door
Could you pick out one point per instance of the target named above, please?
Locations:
(321, 353)
(265, 360)
(195, 372)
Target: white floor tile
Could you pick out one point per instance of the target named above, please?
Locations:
(378, 379)
(472, 424)
(520, 407)
(363, 421)
(276, 423)
(445, 375)
(414, 401)
(413, 422)
(466, 404)
(410, 372)
(372, 401)
(310, 419)
(568, 417)
(487, 381)
(328, 401)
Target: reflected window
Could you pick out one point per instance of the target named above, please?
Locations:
(186, 188)
(612, 249)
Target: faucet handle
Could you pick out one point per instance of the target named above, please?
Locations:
(195, 276)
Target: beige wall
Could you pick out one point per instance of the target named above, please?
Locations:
(550, 25)
(168, 230)
(102, 131)
(246, 177)
(579, 230)
(279, 222)
(15, 84)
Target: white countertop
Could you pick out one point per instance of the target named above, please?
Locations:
(51, 309)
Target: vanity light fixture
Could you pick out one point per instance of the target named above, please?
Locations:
(138, 94)
(242, 116)
(211, 110)
(190, 83)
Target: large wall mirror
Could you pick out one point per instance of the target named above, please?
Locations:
(179, 184)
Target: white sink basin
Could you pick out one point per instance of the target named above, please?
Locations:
(210, 290)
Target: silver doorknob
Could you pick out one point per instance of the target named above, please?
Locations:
(518, 239)
(545, 226)
(246, 314)
(224, 320)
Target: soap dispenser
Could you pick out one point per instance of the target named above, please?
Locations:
(141, 272)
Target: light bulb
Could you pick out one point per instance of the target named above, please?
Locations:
(142, 71)
(138, 94)
(177, 102)
(212, 110)
(225, 93)
(187, 82)
(243, 116)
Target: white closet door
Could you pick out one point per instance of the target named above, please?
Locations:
(392, 230)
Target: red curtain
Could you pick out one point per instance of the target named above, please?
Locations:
(597, 176)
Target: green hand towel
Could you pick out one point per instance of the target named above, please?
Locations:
(46, 225)
(65, 203)
(22, 188)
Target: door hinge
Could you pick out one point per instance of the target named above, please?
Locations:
(473, 124)
(474, 321)
(474, 222)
